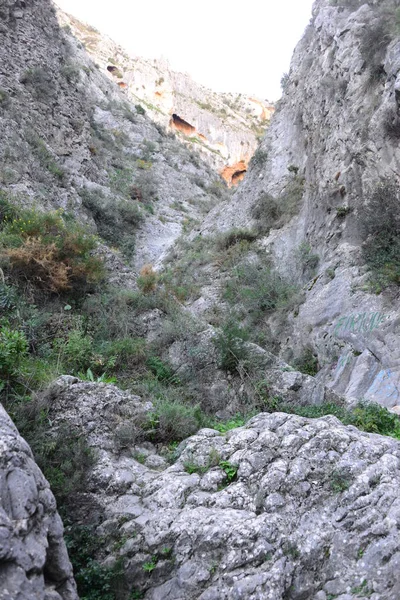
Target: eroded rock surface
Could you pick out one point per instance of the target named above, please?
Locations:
(224, 127)
(34, 562)
(334, 135)
(284, 507)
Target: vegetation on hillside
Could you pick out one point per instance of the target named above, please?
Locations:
(380, 222)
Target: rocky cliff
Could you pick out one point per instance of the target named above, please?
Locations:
(322, 183)
(71, 140)
(224, 127)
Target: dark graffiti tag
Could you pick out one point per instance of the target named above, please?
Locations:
(359, 323)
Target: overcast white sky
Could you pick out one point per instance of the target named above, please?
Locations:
(238, 46)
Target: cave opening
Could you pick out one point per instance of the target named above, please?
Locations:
(181, 125)
(238, 176)
(114, 71)
(233, 174)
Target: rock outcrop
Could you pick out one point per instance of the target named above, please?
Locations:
(71, 140)
(335, 135)
(34, 561)
(285, 507)
(224, 127)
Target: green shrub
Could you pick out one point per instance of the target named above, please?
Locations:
(140, 110)
(45, 157)
(8, 211)
(285, 79)
(230, 344)
(307, 362)
(94, 581)
(308, 260)
(124, 353)
(65, 459)
(230, 238)
(40, 81)
(380, 223)
(112, 313)
(340, 480)
(343, 211)
(259, 158)
(115, 218)
(376, 38)
(258, 289)
(224, 426)
(8, 298)
(53, 254)
(162, 370)
(13, 350)
(77, 351)
(271, 212)
(148, 279)
(4, 98)
(367, 416)
(173, 420)
(71, 73)
(267, 212)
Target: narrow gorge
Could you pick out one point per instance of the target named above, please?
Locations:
(199, 328)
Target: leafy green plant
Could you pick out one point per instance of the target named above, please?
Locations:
(192, 467)
(343, 211)
(89, 376)
(340, 480)
(8, 297)
(150, 565)
(229, 469)
(162, 370)
(140, 110)
(13, 350)
(224, 426)
(78, 351)
(94, 581)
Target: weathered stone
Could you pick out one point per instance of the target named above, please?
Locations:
(33, 558)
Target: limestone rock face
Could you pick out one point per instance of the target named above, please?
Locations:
(285, 507)
(34, 561)
(224, 127)
(71, 139)
(334, 132)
